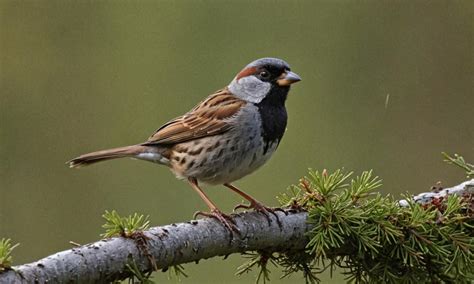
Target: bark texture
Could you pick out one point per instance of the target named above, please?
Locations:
(106, 260)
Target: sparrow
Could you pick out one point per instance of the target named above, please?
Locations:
(227, 136)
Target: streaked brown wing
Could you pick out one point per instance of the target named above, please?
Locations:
(206, 119)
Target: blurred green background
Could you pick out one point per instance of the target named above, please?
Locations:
(387, 85)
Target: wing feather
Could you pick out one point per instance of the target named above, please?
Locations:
(208, 118)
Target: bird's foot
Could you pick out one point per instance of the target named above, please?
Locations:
(226, 220)
(259, 207)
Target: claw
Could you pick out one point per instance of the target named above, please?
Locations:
(225, 220)
(257, 206)
(264, 210)
(241, 206)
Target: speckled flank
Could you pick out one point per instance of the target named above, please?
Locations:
(224, 158)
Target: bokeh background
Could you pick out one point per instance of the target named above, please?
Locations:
(387, 85)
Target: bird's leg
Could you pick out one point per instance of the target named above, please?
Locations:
(215, 213)
(254, 204)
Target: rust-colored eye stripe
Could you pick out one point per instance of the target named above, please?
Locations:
(247, 72)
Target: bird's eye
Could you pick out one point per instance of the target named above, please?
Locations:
(264, 75)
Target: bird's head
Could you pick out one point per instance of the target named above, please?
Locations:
(263, 77)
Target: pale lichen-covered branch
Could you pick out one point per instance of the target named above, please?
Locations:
(427, 197)
(107, 260)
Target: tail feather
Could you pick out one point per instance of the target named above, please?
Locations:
(104, 155)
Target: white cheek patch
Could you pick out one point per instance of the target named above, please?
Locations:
(249, 89)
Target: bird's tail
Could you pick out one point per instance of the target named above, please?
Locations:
(134, 151)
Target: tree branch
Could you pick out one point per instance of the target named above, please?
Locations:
(107, 260)
(427, 197)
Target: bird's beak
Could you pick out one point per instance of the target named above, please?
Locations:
(288, 78)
